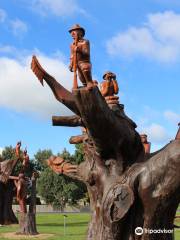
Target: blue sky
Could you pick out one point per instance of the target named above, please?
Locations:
(138, 40)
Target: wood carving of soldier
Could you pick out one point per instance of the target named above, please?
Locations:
(146, 144)
(17, 149)
(21, 195)
(80, 56)
(25, 159)
(109, 87)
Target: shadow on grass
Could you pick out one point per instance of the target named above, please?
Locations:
(78, 224)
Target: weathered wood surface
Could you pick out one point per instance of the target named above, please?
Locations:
(127, 188)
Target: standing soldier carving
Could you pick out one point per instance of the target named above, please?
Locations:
(21, 186)
(25, 160)
(146, 144)
(80, 57)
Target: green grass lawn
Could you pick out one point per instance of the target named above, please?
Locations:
(76, 229)
(177, 222)
(54, 224)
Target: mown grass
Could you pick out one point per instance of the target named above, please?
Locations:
(76, 226)
(177, 222)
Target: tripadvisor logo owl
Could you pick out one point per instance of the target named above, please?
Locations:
(139, 231)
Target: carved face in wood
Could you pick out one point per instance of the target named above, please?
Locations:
(143, 138)
(78, 33)
(108, 76)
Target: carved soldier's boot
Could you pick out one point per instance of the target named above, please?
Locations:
(88, 77)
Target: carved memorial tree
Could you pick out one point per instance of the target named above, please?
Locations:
(127, 188)
(8, 183)
(27, 216)
(7, 186)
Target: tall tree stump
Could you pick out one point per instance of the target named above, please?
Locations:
(128, 189)
(27, 221)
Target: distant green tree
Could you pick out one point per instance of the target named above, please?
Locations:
(59, 190)
(66, 155)
(78, 155)
(39, 159)
(8, 153)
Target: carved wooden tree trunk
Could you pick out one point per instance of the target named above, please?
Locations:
(125, 194)
(7, 215)
(127, 188)
(27, 220)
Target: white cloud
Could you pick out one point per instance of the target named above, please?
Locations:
(7, 49)
(147, 116)
(21, 91)
(1, 149)
(58, 8)
(172, 116)
(18, 27)
(2, 15)
(158, 38)
(156, 133)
